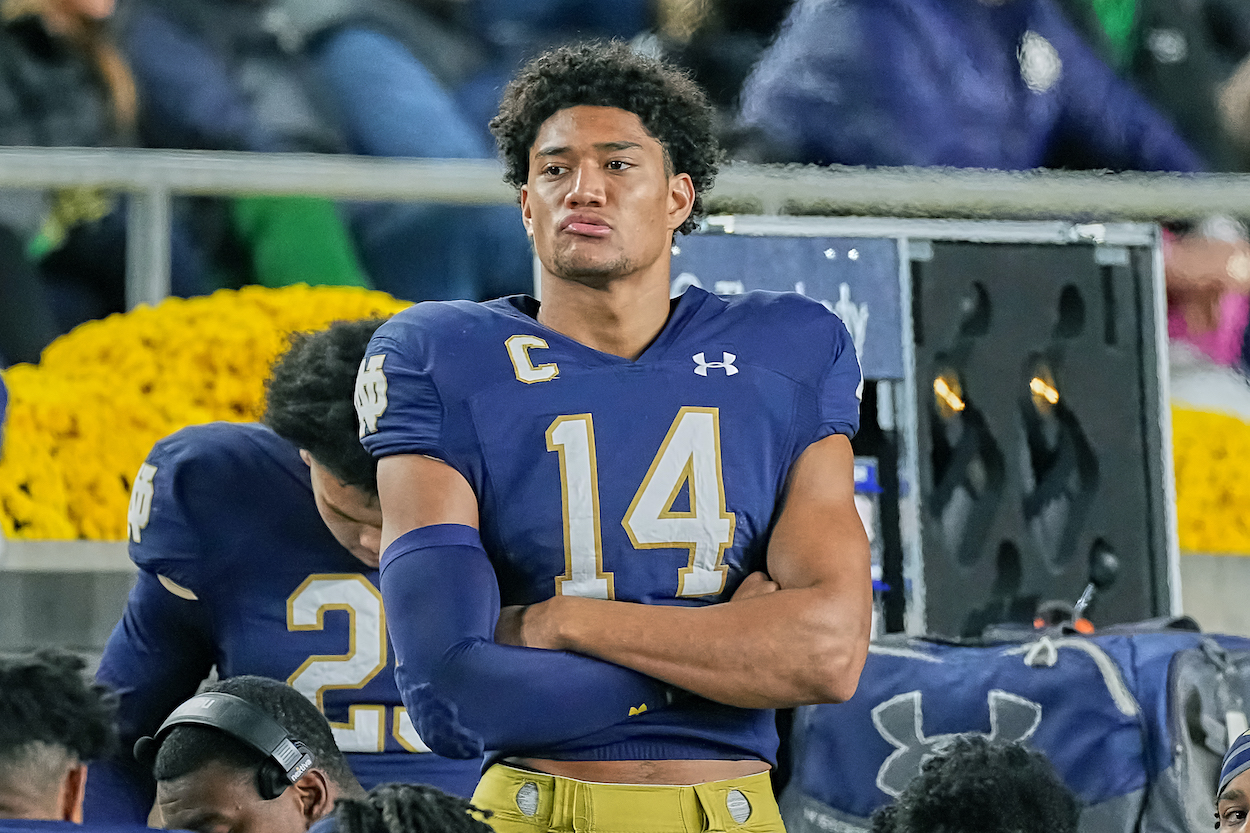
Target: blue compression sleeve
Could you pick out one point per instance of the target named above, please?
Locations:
(465, 692)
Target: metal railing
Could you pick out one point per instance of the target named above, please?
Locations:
(152, 178)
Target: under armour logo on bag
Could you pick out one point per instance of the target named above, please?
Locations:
(726, 364)
(900, 720)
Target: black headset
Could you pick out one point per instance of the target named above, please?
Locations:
(286, 759)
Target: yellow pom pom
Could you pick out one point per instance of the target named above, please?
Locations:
(83, 419)
(1212, 494)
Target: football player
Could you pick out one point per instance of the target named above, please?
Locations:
(658, 493)
(257, 548)
(53, 720)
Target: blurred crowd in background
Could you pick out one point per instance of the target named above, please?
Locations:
(1150, 85)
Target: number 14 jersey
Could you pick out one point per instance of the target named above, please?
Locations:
(653, 480)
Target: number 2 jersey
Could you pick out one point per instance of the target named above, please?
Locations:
(237, 570)
(654, 480)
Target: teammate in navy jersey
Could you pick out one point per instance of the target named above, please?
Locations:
(53, 720)
(658, 494)
(257, 548)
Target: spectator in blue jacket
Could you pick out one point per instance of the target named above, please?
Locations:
(1006, 84)
(962, 83)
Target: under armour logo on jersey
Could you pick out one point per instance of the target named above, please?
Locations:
(900, 720)
(370, 393)
(726, 364)
(140, 510)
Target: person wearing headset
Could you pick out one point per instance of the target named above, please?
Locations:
(247, 755)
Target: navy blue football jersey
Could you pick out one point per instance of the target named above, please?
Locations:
(654, 480)
(237, 570)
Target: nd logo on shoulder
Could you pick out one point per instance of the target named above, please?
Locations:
(370, 393)
(140, 510)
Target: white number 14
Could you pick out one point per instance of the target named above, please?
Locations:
(689, 457)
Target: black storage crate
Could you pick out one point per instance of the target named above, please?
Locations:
(1016, 403)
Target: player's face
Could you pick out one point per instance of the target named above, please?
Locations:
(353, 515)
(216, 799)
(1234, 804)
(599, 201)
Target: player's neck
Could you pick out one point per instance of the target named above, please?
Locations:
(621, 318)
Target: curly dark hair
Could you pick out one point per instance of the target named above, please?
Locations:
(46, 701)
(990, 787)
(310, 395)
(409, 808)
(671, 107)
(189, 748)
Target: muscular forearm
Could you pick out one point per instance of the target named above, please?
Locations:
(783, 649)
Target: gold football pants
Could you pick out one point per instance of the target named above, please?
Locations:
(529, 802)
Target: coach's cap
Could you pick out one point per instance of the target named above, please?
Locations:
(1236, 761)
